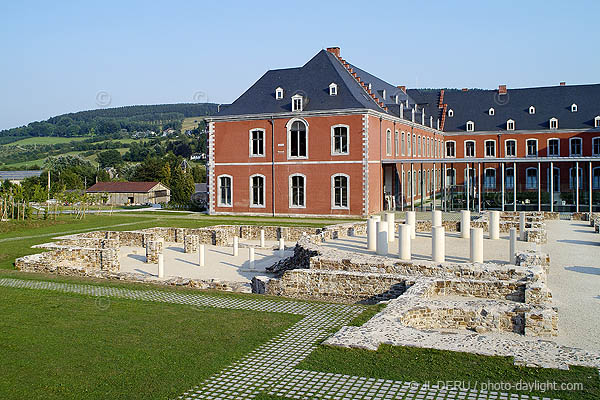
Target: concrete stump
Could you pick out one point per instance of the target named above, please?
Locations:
(465, 224)
(371, 234)
(476, 248)
(404, 242)
(281, 248)
(382, 238)
(161, 266)
(494, 225)
(438, 244)
(390, 218)
(190, 243)
(411, 219)
(436, 218)
(512, 256)
(251, 258)
(522, 226)
(262, 238)
(236, 246)
(201, 255)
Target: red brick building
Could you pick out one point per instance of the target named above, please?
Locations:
(328, 138)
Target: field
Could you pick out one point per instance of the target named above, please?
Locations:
(190, 123)
(47, 140)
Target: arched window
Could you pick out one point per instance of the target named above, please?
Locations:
(450, 149)
(339, 140)
(257, 142)
(531, 110)
(470, 148)
(451, 113)
(531, 178)
(532, 148)
(490, 178)
(510, 125)
(257, 190)
(509, 178)
(574, 178)
(225, 190)
(575, 146)
(333, 89)
(297, 191)
(596, 178)
(573, 107)
(388, 142)
(279, 93)
(339, 191)
(553, 123)
(510, 148)
(297, 139)
(491, 111)
(470, 126)
(403, 148)
(490, 148)
(396, 143)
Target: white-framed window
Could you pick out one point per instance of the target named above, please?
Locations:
(472, 177)
(396, 143)
(297, 191)
(450, 177)
(597, 122)
(573, 178)
(225, 190)
(279, 93)
(469, 148)
(553, 147)
(388, 142)
(450, 148)
(414, 144)
(333, 89)
(340, 140)
(419, 183)
(403, 143)
(555, 177)
(490, 148)
(575, 145)
(531, 110)
(491, 111)
(489, 179)
(257, 142)
(596, 146)
(297, 139)
(510, 148)
(297, 101)
(532, 148)
(340, 190)
(510, 125)
(531, 178)
(451, 113)
(470, 126)
(509, 178)
(573, 107)
(257, 191)
(596, 178)
(419, 145)
(553, 123)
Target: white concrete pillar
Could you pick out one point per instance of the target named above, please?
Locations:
(436, 218)
(477, 245)
(161, 265)
(201, 255)
(522, 226)
(390, 218)
(513, 246)
(411, 219)
(404, 242)
(494, 224)
(438, 245)
(371, 234)
(281, 247)
(377, 218)
(251, 258)
(262, 238)
(382, 240)
(236, 245)
(465, 224)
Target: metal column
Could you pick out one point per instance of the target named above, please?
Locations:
(468, 189)
(502, 185)
(434, 186)
(478, 187)
(514, 186)
(412, 187)
(551, 186)
(590, 189)
(402, 188)
(576, 186)
(539, 183)
(444, 188)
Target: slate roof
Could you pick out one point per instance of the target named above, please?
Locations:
(553, 101)
(18, 175)
(122, 187)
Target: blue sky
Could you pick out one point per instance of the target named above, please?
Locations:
(58, 56)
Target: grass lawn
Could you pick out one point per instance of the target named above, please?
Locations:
(188, 123)
(47, 140)
(433, 366)
(69, 346)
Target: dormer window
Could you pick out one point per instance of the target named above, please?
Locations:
(510, 125)
(451, 113)
(531, 110)
(296, 102)
(491, 111)
(553, 123)
(279, 93)
(597, 122)
(573, 107)
(470, 126)
(333, 89)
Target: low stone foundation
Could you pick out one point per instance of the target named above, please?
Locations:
(153, 249)
(191, 243)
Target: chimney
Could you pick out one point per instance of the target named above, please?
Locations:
(403, 88)
(413, 115)
(465, 89)
(334, 50)
(563, 83)
(502, 89)
(402, 111)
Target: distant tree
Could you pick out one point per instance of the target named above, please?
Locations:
(199, 173)
(182, 187)
(109, 158)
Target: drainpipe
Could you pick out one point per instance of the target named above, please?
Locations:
(272, 165)
(380, 166)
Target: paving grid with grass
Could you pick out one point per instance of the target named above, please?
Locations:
(270, 371)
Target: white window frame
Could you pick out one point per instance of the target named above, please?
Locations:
(294, 99)
(572, 178)
(491, 111)
(419, 146)
(279, 93)
(388, 142)
(414, 144)
(531, 110)
(289, 139)
(333, 206)
(333, 150)
(219, 203)
(573, 107)
(403, 143)
(396, 143)
(510, 125)
(485, 182)
(537, 148)
(474, 149)
(263, 142)
(548, 147)
(527, 185)
(506, 147)
(553, 121)
(512, 184)
(556, 175)
(595, 182)
(252, 205)
(446, 152)
(333, 89)
(594, 140)
(290, 190)
(450, 113)
(485, 148)
(470, 126)
(453, 178)
(597, 122)
(571, 154)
